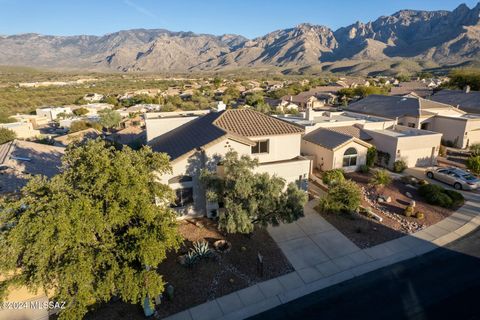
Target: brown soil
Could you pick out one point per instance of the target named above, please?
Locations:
(211, 278)
(367, 232)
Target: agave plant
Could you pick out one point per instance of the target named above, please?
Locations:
(201, 249)
(191, 258)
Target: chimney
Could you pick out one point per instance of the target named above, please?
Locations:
(467, 89)
(309, 114)
(221, 106)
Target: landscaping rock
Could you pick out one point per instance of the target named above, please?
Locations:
(408, 194)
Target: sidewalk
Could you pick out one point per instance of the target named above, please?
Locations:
(322, 257)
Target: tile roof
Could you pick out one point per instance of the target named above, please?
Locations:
(78, 136)
(327, 138)
(250, 123)
(236, 124)
(393, 107)
(469, 102)
(354, 131)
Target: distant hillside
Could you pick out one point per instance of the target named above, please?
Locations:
(406, 41)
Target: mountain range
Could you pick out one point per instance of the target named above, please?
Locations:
(426, 38)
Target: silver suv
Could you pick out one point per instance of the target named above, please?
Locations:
(459, 179)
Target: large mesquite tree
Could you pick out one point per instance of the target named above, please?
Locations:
(251, 198)
(92, 231)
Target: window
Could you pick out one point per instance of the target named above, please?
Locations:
(424, 126)
(350, 157)
(260, 147)
(184, 197)
(411, 125)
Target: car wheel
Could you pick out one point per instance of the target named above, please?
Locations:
(457, 186)
(430, 175)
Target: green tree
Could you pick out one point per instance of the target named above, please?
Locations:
(109, 118)
(251, 198)
(371, 156)
(473, 163)
(6, 135)
(93, 231)
(460, 78)
(80, 111)
(332, 177)
(345, 196)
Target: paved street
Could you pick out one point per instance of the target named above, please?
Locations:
(443, 284)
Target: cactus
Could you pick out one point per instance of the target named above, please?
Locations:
(409, 211)
(201, 249)
(419, 215)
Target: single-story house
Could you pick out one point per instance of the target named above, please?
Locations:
(79, 136)
(458, 127)
(23, 129)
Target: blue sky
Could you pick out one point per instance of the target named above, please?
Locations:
(246, 17)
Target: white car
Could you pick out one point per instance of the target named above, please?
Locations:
(459, 179)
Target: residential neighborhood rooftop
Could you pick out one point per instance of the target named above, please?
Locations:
(467, 101)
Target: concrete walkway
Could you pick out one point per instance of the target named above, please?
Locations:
(322, 257)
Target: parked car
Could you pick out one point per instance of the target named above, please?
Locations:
(459, 179)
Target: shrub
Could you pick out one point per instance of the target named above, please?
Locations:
(201, 249)
(457, 197)
(380, 178)
(422, 182)
(437, 195)
(408, 211)
(475, 149)
(364, 168)
(345, 196)
(419, 215)
(333, 177)
(473, 163)
(399, 166)
(442, 151)
(6, 135)
(371, 156)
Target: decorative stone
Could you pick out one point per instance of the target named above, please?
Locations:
(388, 199)
(412, 203)
(408, 194)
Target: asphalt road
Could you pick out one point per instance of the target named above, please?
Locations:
(443, 284)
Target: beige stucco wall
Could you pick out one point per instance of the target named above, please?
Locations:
(326, 159)
(291, 171)
(453, 129)
(281, 147)
(473, 132)
(361, 156)
(157, 127)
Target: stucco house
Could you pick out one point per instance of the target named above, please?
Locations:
(202, 142)
(22, 129)
(304, 100)
(466, 100)
(340, 139)
(459, 128)
(51, 113)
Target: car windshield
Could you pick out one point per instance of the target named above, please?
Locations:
(468, 177)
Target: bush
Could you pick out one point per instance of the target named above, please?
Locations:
(437, 195)
(422, 182)
(475, 149)
(473, 163)
(364, 168)
(419, 215)
(6, 135)
(399, 166)
(371, 156)
(408, 211)
(442, 151)
(457, 197)
(380, 178)
(333, 177)
(345, 196)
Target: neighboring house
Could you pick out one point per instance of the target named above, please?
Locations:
(133, 137)
(304, 100)
(418, 88)
(286, 106)
(21, 159)
(35, 120)
(51, 113)
(466, 100)
(458, 127)
(93, 97)
(201, 143)
(23, 130)
(79, 136)
(158, 123)
(339, 139)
